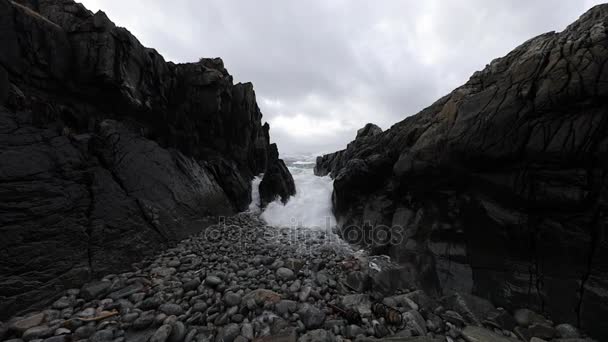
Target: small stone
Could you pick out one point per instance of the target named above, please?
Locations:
(58, 338)
(311, 316)
(171, 309)
(102, 336)
(415, 321)
(478, 334)
(163, 272)
(144, 321)
(161, 334)
(29, 322)
(352, 331)
(86, 313)
(191, 285)
(288, 335)
(126, 291)
(454, 318)
(318, 335)
(543, 331)
(567, 331)
(247, 331)
(303, 296)
(232, 299)
(95, 290)
(380, 330)
(230, 332)
(262, 296)
(286, 307)
(62, 331)
(62, 303)
(151, 303)
(137, 297)
(527, 317)
(178, 332)
(130, 317)
(285, 274)
(199, 307)
(212, 281)
(501, 319)
(358, 302)
(190, 336)
(295, 286)
(37, 333)
(84, 331)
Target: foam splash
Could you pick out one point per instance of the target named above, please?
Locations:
(310, 207)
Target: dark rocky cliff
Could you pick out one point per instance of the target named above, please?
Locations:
(499, 188)
(108, 152)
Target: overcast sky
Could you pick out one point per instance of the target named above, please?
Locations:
(322, 69)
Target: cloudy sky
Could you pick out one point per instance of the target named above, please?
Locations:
(323, 68)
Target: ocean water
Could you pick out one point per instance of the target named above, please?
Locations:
(309, 208)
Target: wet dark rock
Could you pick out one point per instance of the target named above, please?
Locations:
(277, 181)
(472, 189)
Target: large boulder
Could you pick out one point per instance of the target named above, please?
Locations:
(499, 188)
(277, 181)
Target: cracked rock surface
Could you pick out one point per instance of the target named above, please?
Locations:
(499, 188)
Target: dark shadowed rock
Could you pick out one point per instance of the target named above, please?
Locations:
(95, 289)
(110, 150)
(277, 181)
(499, 188)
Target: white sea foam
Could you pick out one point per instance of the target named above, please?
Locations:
(310, 207)
(254, 206)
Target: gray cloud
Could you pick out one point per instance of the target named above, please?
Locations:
(323, 68)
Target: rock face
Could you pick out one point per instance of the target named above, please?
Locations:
(109, 152)
(277, 181)
(499, 188)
